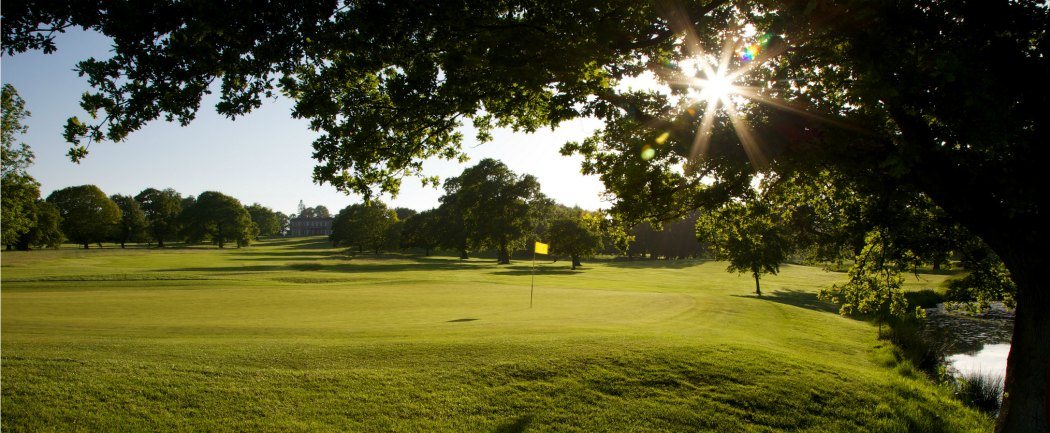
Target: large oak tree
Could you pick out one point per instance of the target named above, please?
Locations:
(162, 209)
(498, 207)
(87, 215)
(936, 100)
(19, 190)
(219, 218)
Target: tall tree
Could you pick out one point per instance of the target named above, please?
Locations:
(451, 228)
(906, 98)
(422, 231)
(162, 209)
(265, 219)
(874, 287)
(404, 213)
(318, 211)
(749, 236)
(497, 205)
(16, 157)
(576, 236)
(88, 216)
(19, 190)
(218, 218)
(365, 225)
(133, 225)
(20, 193)
(46, 230)
(283, 222)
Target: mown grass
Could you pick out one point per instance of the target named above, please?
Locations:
(292, 336)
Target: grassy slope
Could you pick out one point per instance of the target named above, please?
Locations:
(289, 335)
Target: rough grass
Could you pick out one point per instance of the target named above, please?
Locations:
(292, 336)
(981, 390)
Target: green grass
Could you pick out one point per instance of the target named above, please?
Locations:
(292, 336)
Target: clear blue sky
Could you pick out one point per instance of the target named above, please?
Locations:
(260, 158)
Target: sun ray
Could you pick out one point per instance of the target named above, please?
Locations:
(793, 107)
(747, 140)
(703, 134)
(709, 80)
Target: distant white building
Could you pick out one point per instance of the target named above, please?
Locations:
(310, 226)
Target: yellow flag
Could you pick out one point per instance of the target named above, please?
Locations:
(541, 248)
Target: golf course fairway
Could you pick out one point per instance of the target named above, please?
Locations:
(291, 335)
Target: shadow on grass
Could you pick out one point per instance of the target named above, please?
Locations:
(518, 425)
(540, 270)
(797, 298)
(322, 267)
(655, 263)
(290, 254)
(312, 242)
(466, 319)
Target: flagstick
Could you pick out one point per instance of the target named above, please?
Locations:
(533, 288)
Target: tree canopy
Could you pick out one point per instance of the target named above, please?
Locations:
(88, 216)
(162, 209)
(936, 101)
(218, 218)
(748, 236)
(20, 191)
(422, 230)
(498, 207)
(575, 234)
(268, 221)
(318, 211)
(132, 226)
(46, 230)
(365, 225)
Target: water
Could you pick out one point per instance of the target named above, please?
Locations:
(989, 361)
(972, 344)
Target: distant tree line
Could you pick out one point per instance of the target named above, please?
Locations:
(489, 208)
(85, 215)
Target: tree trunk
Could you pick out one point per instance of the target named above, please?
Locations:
(160, 243)
(758, 288)
(575, 261)
(121, 244)
(426, 251)
(1026, 402)
(504, 255)
(87, 246)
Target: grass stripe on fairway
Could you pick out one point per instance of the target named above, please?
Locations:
(291, 335)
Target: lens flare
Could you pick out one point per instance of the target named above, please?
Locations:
(648, 152)
(662, 138)
(749, 53)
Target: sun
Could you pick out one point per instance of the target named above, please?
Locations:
(716, 86)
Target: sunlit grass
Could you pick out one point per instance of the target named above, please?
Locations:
(291, 335)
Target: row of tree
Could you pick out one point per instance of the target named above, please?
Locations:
(487, 207)
(85, 215)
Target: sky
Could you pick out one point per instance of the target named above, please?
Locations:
(264, 157)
